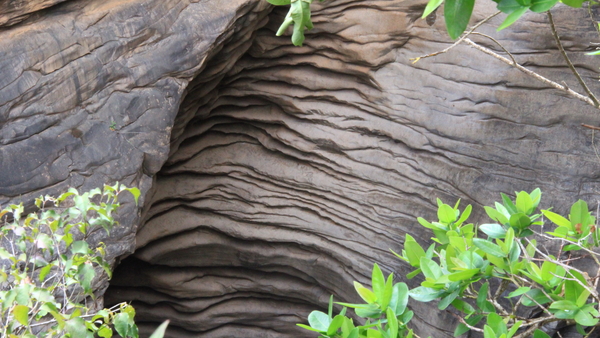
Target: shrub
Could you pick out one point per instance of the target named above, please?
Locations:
(457, 269)
(48, 268)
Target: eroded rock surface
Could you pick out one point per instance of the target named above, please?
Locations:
(90, 90)
(288, 171)
(305, 165)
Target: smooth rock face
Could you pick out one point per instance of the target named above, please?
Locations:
(274, 176)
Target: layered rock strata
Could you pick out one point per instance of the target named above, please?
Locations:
(303, 166)
(274, 176)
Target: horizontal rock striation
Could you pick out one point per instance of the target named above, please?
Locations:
(291, 175)
(272, 175)
(90, 90)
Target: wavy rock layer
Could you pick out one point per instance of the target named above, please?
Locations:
(90, 90)
(291, 175)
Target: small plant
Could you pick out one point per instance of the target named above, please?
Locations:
(48, 268)
(457, 267)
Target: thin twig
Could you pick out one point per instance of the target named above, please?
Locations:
(457, 42)
(569, 63)
(533, 74)
(499, 45)
(590, 127)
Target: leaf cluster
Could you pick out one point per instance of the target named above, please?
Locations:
(384, 309)
(48, 268)
(457, 13)
(457, 271)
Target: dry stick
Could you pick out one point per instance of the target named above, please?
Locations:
(590, 127)
(569, 63)
(499, 45)
(533, 74)
(462, 38)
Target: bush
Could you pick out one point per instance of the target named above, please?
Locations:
(48, 268)
(457, 269)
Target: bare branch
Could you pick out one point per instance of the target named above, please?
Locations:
(457, 42)
(570, 64)
(531, 73)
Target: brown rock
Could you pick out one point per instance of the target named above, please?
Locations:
(274, 176)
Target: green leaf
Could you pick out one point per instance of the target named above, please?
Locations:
(430, 268)
(465, 214)
(524, 202)
(505, 199)
(335, 324)
(121, 323)
(519, 221)
(514, 329)
(86, 275)
(414, 251)
(21, 314)
(540, 334)
(509, 6)
(319, 320)
(482, 295)
(488, 332)
(497, 323)
(585, 318)
(573, 3)
(387, 293)
(76, 327)
(80, 247)
(306, 327)
(44, 272)
(557, 219)
(424, 294)
(579, 213)
(536, 295)
(392, 324)
(446, 214)
(432, 5)
(447, 300)
(493, 230)
(519, 291)
(463, 275)
(488, 247)
(106, 332)
(160, 330)
(279, 2)
(564, 305)
(366, 294)
(377, 281)
(540, 6)
(371, 333)
(457, 14)
(496, 215)
(399, 298)
(460, 330)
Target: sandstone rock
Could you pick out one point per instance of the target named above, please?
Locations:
(274, 176)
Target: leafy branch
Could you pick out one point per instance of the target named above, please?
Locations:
(457, 268)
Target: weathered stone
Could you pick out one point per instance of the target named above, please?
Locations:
(274, 176)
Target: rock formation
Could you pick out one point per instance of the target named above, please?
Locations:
(272, 175)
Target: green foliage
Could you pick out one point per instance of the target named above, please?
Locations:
(299, 15)
(457, 14)
(456, 270)
(48, 268)
(384, 308)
